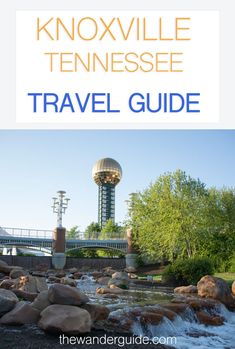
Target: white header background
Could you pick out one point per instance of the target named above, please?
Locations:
(8, 82)
(200, 65)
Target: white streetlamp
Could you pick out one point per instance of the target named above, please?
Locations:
(60, 204)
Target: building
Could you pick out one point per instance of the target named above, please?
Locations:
(106, 173)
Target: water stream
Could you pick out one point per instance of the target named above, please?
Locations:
(189, 333)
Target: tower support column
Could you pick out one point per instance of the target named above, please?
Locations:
(58, 246)
(132, 254)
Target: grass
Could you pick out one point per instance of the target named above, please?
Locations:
(229, 277)
(156, 277)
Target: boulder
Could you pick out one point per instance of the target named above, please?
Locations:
(68, 281)
(78, 275)
(207, 319)
(121, 283)
(163, 311)
(16, 273)
(132, 276)
(63, 294)
(39, 273)
(202, 303)
(53, 280)
(121, 275)
(8, 284)
(103, 280)
(108, 271)
(97, 312)
(32, 284)
(23, 313)
(233, 288)
(27, 296)
(186, 289)
(41, 302)
(73, 270)
(8, 301)
(177, 308)
(216, 288)
(148, 318)
(60, 274)
(130, 270)
(65, 318)
(96, 274)
(6, 269)
(102, 290)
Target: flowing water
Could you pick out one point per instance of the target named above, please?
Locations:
(188, 332)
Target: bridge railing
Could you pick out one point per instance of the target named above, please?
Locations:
(31, 233)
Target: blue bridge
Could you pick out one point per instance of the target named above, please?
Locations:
(42, 240)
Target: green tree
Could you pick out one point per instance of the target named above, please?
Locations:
(72, 233)
(111, 230)
(220, 227)
(168, 217)
(92, 231)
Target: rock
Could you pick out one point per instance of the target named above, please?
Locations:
(130, 270)
(63, 294)
(27, 296)
(73, 270)
(186, 289)
(233, 288)
(149, 318)
(41, 302)
(108, 271)
(16, 273)
(97, 311)
(207, 319)
(8, 301)
(8, 284)
(102, 290)
(65, 318)
(176, 307)
(78, 275)
(39, 273)
(120, 275)
(23, 313)
(202, 303)
(32, 284)
(68, 281)
(104, 280)
(216, 288)
(53, 280)
(162, 311)
(132, 276)
(6, 269)
(96, 274)
(60, 274)
(118, 283)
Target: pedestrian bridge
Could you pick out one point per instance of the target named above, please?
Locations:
(42, 240)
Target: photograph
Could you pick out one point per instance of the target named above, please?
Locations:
(122, 237)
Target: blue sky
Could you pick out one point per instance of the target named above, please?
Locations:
(36, 164)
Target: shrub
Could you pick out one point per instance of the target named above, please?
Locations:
(187, 272)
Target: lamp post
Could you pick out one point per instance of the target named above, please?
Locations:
(60, 204)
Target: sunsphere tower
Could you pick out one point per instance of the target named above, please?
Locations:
(106, 173)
